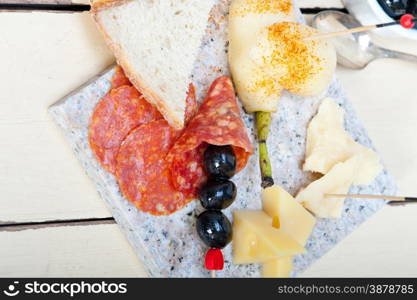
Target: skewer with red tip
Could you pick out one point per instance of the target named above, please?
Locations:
(214, 261)
(407, 21)
(218, 193)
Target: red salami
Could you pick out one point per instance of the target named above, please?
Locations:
(117, 113)
(119, 78)
(142, 171)
(191, 104)
(158, 168)
(217, 122)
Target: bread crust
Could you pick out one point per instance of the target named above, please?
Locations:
(97, 5)
(136, 80)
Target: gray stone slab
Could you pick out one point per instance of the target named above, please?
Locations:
(168, 246)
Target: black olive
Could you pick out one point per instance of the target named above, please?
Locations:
(220, 161)
(218, 194)
(214, 229)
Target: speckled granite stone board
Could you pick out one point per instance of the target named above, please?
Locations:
(168, 246)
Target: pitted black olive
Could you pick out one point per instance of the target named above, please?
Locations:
(218, 194)
(214, 229)
(220, 161)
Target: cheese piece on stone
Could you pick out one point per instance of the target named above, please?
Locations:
(328, 143)
(277, 268)
(331, 150)
(255, 240)
(369, 168)
(247, 248)
(337, 181)
(287, 214)
(290, 216)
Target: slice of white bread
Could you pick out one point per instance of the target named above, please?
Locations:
(156, 42)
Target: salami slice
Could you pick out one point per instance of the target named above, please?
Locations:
(191, 104)
(217, 122)
(142, 170)
(117, 113)
(119, 78)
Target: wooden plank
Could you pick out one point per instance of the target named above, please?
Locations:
(382, 247)
(73, 114)
(320, 3)
(43, 1)
(382, 94)
(41, 179)
(391, 126)
(301, 3)
(45, 57)
(68, 251)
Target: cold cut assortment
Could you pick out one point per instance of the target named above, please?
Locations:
(168, 153)
(158, 168)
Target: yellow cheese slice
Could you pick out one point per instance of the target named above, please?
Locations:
(255, 240)
(277, 268)
(247, 248)
(287, 214)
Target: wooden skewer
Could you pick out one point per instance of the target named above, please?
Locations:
(394, 200)
(337, 33)
(353, 30)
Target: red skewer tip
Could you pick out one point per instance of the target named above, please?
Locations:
(407, 21)
(214, 260)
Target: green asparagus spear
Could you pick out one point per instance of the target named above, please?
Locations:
(263, 122)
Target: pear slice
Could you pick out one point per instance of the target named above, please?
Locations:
(246, 20)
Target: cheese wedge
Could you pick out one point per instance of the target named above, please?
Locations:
(287, 214)
(247, 247)
(370, 167)
(337, 181)
(333, 152)
(278, 268)
(255, 240)
(328, 143)
(290, 216)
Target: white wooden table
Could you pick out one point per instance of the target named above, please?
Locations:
(52, 221)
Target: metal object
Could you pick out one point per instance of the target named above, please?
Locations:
(354, 50)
